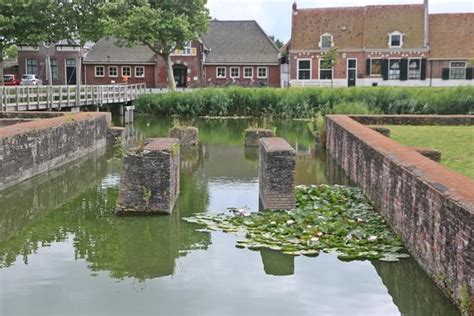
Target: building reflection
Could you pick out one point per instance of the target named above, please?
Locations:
(276, 263)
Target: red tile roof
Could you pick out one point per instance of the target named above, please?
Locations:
(452, 36)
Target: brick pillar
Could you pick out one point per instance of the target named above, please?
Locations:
(276, 174)
(150, 178)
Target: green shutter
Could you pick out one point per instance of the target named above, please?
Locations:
(385, 69)
(423, 69)
(445, 75)
(367, 67)
(469, 73)
(404, 69)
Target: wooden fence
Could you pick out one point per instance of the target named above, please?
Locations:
(32, 98)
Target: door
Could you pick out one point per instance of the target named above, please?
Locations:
(351, 72)
(180, 73)
(71, 71)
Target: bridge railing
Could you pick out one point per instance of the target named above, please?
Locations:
(27, 98)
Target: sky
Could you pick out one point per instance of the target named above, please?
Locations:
(274, 16)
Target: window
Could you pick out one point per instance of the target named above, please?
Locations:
(375, 67)
(457, 70)
(70, 63)
(395, 39)
(262, 72)
(235, 72)
(221, 72)
(324, 73)
(31, 66)
(248, 72)
(326, 41)
(113, 72)
(126, 71)
(394, 69)
(139, 71)
(99, 71)
(54, 69)
(304, 69)
(414, 69)
(187, 49)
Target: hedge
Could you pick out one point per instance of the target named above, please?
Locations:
(303, 103)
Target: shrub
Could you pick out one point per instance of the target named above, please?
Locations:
(306, 103)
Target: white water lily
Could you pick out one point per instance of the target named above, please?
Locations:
(372, 238)
(290, 222)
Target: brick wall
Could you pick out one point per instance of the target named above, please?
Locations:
(451, 120)
(91, 79)
(273, 76)
(28, 149)
(150, 178)
(429, 206)
(276, 175)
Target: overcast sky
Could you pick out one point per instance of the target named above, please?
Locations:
(275, 15)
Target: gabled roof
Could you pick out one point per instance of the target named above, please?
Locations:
(237, 42)
(106, 50)
(380, 20)
(452, 35)
(358, 27)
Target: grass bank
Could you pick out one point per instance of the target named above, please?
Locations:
(306, 103)
(456, 143)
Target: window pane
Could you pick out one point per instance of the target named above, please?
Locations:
(304, 64)
(394, 69)
(32, 66)
(139, 71)
(262, 72)
(326, 41)
(304, 75)
(248, 72)
(70, 62)
(414, 69)
(457, 73)
(458, 64)
(376, 67)
(54, 69)
(396, 40)
(325, 74)
(112, 71)
(126, 71)
(352, 63)
(221, 72)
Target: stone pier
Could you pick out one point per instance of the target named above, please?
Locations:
(253, 135)
(150, 178)
(187, 135)
(276, 174)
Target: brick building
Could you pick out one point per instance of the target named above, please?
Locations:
(397, 45)
(233, 52)
(64, 56)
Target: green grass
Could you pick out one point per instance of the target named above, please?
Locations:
(456, 143)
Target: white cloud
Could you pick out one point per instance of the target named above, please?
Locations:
(275, 15)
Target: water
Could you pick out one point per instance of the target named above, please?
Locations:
(64, 252)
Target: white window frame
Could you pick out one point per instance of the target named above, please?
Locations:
(116, 71)
(396, 33)
(321, 68)
(54, 69)
(130, 71)
(372, 74)
(399, 69)
(408, 69)
(298, 68)
(321, 40)
(26, 66)
(217, 73)
(141, 76)
(251, 72)
(238, 72)
(451, 67)
(258, 73)
(188, 48)
(97, 68)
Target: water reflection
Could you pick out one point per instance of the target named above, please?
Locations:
(72, 210)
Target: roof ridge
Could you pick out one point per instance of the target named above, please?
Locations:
(362, 6)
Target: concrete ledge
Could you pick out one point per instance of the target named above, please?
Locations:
(428, 153)
(414, 119)
(382, 130)
(429, 206)
(30, 148)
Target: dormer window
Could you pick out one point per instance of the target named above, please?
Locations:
(395, 39)
(326, 41)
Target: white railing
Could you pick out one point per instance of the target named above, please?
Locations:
(31, 98)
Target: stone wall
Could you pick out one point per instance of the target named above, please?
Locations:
(276, 174)
(30, 148)
(429, 206)
(414, 119)
(150, 179)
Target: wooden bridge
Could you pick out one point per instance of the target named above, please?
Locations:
(33, 98)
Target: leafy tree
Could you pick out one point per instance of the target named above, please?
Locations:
(330, 60)
(11, 52)
(162, 25)
(277, 42)
(25, 22)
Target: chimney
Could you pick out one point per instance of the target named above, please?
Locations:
(295, 6)
(427, 23)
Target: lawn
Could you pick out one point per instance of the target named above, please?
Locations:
(456, 143)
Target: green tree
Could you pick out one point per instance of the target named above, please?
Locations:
(162, 25)
(11, 52)
(277, 41)
(25, 22)
(330, 61)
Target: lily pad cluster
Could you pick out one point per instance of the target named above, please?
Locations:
(330, 219)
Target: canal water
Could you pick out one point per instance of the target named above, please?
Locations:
(64, 252)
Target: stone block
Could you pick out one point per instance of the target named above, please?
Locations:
(187, 135)
(150, 178)
(382, 130)
(253, 135)
(430, 153)
(114, 134)
(277, 164)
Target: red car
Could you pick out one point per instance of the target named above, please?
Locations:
(11, 80)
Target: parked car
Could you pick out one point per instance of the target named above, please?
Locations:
(30, 80)
(11, 80)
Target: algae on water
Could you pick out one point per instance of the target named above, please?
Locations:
(331, 219)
